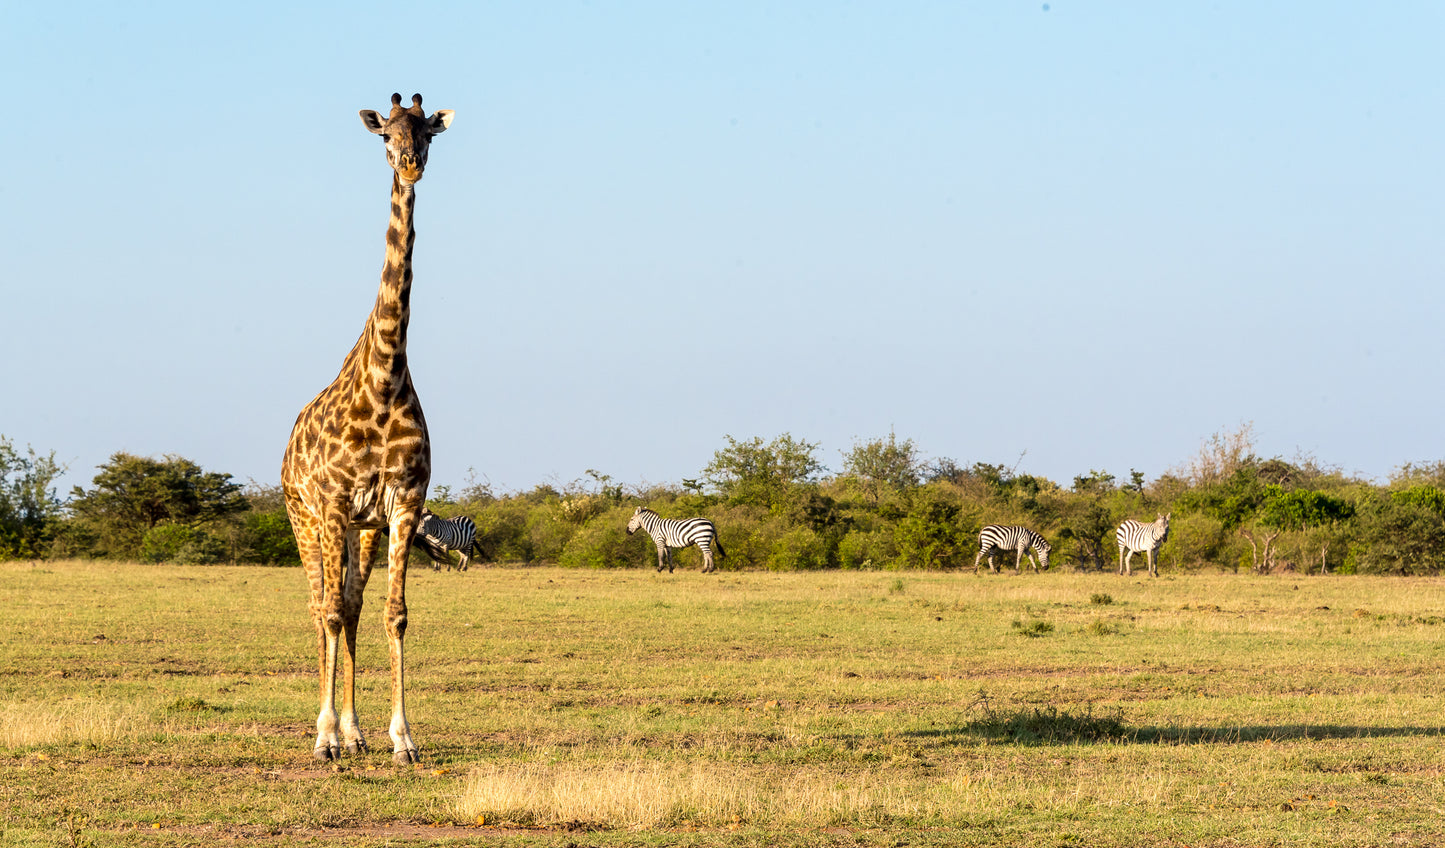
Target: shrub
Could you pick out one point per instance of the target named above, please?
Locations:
(162, 542)
(798, 549)
(867, 549)
(930, 534)
(266, 538)
(603, 543)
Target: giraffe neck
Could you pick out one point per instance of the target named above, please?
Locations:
(386, 327)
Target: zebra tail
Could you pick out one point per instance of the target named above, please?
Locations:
(717, 543)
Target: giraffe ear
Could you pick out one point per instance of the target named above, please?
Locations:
(439, 121)
(372, 121)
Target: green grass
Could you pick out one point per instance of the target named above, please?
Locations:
(157, 705)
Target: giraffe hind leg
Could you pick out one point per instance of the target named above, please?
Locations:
(331, 622)
(361, 548)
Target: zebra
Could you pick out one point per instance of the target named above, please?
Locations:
(436, 536)
(1137, 537)
(996, 537)
(669, 533)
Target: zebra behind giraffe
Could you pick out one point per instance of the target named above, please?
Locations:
(437, 536)
(1019, 540)
(1136, 537)
(669, 533)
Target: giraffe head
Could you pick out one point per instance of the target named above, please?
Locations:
(408, 133)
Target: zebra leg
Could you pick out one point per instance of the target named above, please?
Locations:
(1129, 563)
(463, 566)
(976, 558)
(1019, 561)
(707, 566)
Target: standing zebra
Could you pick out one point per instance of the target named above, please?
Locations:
(669, 533)
(436, 536)
(1136, 537)
(996, 537)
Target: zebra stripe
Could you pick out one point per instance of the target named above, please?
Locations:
(669, 533)
(436, 536)
(1136, 537)
(997, 537)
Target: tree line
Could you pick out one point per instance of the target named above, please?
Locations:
(777, 507)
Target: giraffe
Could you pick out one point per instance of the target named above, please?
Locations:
(359, 459)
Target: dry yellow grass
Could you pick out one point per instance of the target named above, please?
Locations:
(32, 725)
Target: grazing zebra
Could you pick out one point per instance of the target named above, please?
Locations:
(1136, 537)
(436, 536)
(996, 537)
(669, 533)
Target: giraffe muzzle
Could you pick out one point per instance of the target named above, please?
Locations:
(409, 167)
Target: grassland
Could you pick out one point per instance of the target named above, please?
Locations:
(157, 705)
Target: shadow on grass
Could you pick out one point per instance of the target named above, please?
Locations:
(1051, 726)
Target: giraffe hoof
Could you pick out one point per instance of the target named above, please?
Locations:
(406, 757)
(356, 747)
(326, 754)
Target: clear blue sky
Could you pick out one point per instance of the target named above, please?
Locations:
(1091, 233)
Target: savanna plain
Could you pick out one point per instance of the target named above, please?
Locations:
(171, 705)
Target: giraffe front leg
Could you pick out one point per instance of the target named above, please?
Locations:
(404, 750)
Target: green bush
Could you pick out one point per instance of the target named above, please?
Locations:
(603, 543)
(867, 549)
(502, 529)
(930, 534)
(266, 538)
(798, 549)
(1200, 539)
(162, 542)
(182, 545)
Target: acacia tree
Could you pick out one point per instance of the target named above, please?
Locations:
(28, 504)
(883, 467)
(752, 472)
(1313, 515)
(134, 495)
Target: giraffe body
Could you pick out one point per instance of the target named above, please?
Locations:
(359, 459)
